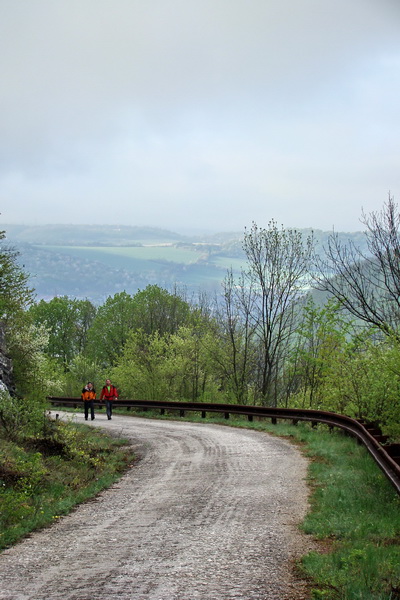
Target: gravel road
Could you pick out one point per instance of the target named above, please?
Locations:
(207, 512)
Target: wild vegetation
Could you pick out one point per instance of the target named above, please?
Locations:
(46, 472)
(361, 557)
(46, 467)
(264, 339)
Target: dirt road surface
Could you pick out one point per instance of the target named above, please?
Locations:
(207, 512)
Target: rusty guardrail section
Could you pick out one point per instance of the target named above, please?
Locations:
(386, 456)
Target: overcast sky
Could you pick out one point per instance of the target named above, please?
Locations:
(199, 114)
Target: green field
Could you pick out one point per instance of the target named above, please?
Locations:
(144, 258)
(225, 263)
(116, 254)
(164, 264)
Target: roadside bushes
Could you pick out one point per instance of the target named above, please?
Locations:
(172, 366)
(339, 366)
(20, 417)
(44, 477)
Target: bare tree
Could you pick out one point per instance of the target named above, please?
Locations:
(276, 278)
(236, 331)
(367, 284)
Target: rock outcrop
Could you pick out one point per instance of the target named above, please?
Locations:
(6, 370)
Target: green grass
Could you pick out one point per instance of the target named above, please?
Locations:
(42, 479)
(356, 508)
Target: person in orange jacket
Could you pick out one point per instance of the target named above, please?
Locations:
(88, 396)
(109, 394)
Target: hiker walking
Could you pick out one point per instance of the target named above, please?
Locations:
(88, 396)
(109, 394)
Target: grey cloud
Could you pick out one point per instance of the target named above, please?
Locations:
(229, 106)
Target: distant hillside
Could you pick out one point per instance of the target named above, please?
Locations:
(55, 273)
(96, 261)
(125, 235)
(88, 235)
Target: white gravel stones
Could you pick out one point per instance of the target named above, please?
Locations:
(208, 512)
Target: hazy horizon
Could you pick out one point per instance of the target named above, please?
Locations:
(184, 231)
(199, 116)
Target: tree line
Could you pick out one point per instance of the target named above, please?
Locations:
(264, 339)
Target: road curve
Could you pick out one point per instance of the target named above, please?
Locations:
(208, 512)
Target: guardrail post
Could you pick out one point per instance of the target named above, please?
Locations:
(181, 413)
(203, 414)
(273, 420)
(250, 418)
(226, 415)
(394, 451)
(162, 411)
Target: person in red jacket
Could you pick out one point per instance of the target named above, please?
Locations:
(109, 394)
(88, 396)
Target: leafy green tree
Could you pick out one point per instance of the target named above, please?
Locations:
(157, 310)
(173, 366)
(15, 295)
(150, 310)
(341, 368)
(110, 329)
(364, 382)
(387, 403)
(85, 313)
(22, 413)
(197, 379)
(320, 339)
(15, 324)
(81, 370)
(36, 373)
(68, 322)
(141, 371)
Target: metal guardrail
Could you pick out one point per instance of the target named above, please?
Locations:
(386, 456)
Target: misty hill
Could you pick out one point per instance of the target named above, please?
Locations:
(88, 235)
(95, 261)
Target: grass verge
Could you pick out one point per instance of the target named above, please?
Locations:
(42, 479)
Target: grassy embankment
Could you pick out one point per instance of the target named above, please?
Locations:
(42, 479)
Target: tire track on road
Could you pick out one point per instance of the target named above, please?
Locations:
(208, 512)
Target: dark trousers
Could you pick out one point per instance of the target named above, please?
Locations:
(109, 407)
(89, 404)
